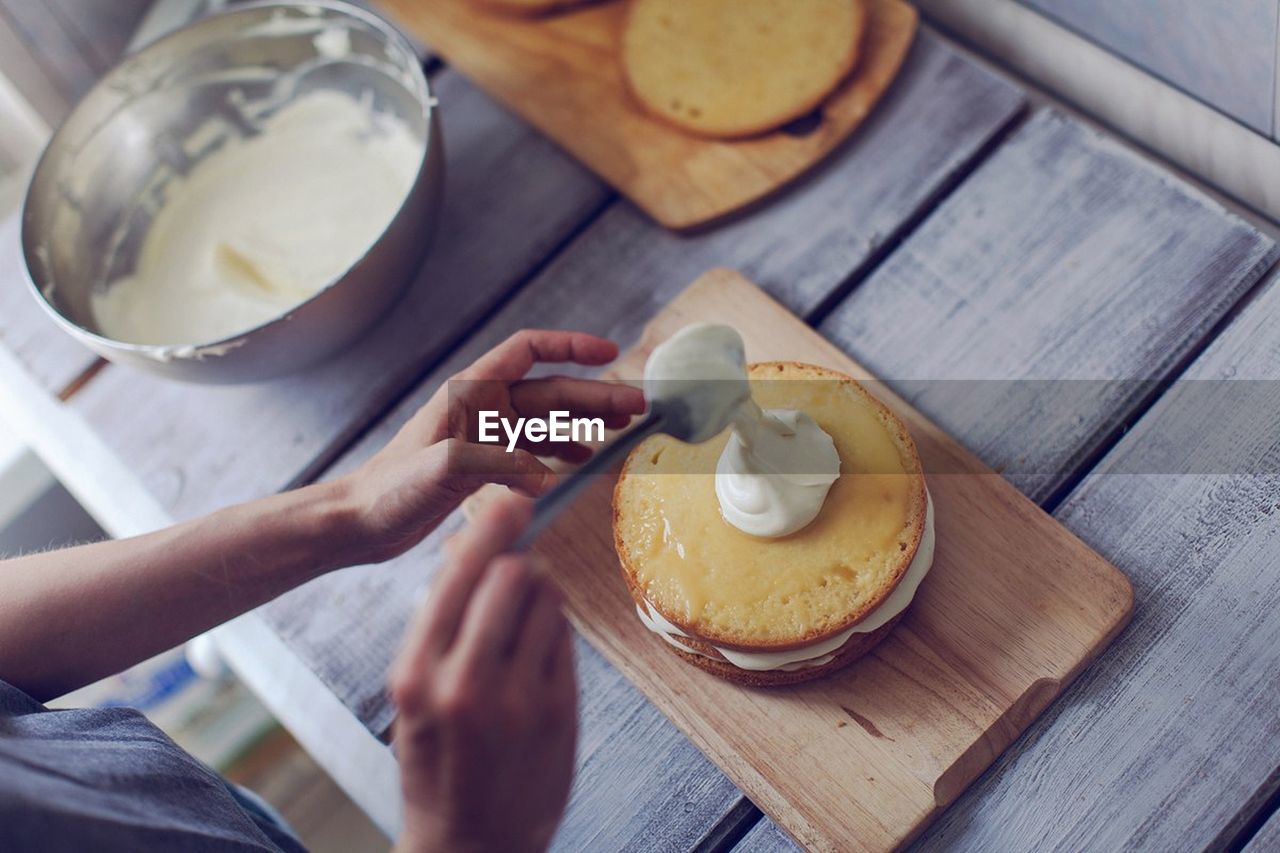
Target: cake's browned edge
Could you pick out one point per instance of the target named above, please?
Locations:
(545, 8)
(906, 445)
(852, 61)
(857, 647)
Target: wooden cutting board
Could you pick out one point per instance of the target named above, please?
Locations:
(561, 73)
(1014, 607)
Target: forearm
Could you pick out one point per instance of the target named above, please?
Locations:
(70, 617)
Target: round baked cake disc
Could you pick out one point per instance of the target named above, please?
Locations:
(729, 68)
(719, 588)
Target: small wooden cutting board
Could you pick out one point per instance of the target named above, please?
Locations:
(562, 74)
(1014, 607)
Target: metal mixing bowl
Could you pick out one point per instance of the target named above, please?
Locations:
(102, 178)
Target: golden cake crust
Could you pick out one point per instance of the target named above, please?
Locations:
(693, 79)
(910, 460)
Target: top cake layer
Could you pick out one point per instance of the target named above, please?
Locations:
(732, 589)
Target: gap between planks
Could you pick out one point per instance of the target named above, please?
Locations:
(860, 273)
(1261, 810)
(1158, 389)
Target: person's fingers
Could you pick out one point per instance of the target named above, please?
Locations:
(513, 358)
(568, 451)
(540, 632)
(588, 398)
(561, 675)
(435, 625)
(495, 615)
(471, 466)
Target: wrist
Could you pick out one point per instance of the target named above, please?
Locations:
(330, 522)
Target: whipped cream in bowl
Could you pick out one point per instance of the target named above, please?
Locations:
(241, 198)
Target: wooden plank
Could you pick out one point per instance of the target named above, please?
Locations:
(1013, 608)
(100, 30)
(1267, 839)
(56, 50)
(1064, 256)
(615, 275)
(562, 73)
(1222, 52)
(1173, 737)
(19, 64)
(53, 357)
(511, 198)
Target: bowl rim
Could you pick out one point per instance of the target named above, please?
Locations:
(198, 350)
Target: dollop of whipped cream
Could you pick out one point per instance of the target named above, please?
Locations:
(776, 469)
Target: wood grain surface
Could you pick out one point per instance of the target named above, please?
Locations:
(1171, 741)
(1063, 257)
(765, 836)
(562, 74)
(1016, 282)
(1013, 608)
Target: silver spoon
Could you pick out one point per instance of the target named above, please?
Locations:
(684, 411)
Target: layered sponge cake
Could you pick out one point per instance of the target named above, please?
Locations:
(767, 611)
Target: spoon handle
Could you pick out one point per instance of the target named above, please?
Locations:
(558, 499)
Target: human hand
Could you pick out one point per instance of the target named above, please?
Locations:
(487, 694)
(435, 461)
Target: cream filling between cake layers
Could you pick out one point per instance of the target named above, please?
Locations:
(822, 652)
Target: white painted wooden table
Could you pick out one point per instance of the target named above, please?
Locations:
(961, 236)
